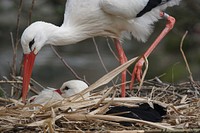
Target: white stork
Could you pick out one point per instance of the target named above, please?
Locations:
(88, 18)
(68, 89)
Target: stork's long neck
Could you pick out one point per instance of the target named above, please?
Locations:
(66, 35)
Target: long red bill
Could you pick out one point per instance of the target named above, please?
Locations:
(29, 60)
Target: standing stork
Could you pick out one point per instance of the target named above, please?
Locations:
(88, 18)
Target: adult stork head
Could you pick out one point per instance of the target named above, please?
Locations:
(33, 39)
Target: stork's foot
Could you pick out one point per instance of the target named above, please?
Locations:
(137, 72)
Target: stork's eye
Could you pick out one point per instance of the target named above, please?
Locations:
(66, 88)
(31, 43)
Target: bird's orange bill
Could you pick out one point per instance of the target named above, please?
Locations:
(29, 60)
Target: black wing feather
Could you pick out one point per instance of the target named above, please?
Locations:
(150, 5)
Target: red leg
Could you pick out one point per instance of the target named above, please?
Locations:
(137, 71)
(122, 59)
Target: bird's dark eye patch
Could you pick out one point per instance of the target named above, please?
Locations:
(66, 88)
(31, 43)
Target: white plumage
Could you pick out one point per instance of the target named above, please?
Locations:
(89, 18)
(73, 87)
(46, 97)
(69, 88)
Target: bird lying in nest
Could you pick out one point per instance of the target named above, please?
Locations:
(144, 111)
(52, 95)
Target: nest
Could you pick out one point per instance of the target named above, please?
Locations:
(78, 114)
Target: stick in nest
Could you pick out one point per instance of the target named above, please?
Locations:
(187, 64)
(184, 57)
(144, 74)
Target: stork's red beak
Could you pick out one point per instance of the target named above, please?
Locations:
(29, 60)
(58, 91)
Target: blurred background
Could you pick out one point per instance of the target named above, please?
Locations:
(49, 70)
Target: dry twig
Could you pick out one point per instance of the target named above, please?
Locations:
(187, 65)
(67, 65)
(30, 12)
